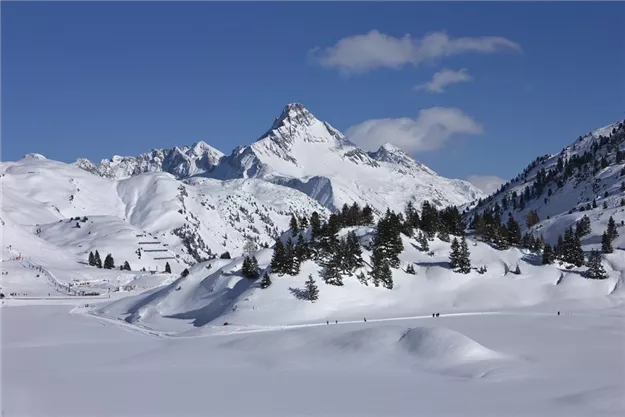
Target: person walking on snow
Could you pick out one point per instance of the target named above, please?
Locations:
(365, 319)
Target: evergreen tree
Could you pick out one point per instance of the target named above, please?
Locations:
(367, 216)
(548, 254)
(410, 270)
(388, 238)
(380, 270)
(278, 260)
(97, 260)
(423, 242)
(612, 232)
(514, 231)
(429, 218)
(126, 266)
(604, 205)
(225, 255)
(109, 263)
(517, 270)
(167, 268)
(291, 258)
(185, 273)
(303, 223)
(312, 292)
(606, 243)
(293, 226)
(595, 267)
(454, 254)
(91, 259)
(332, 271)
(443, 234)
(250, 267)
(582, 227)
(266, 281)
(315, 225)
(594, 204)
(464, 260)
(302, 251)
(353, 253)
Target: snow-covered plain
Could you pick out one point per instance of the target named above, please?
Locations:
(526, 362)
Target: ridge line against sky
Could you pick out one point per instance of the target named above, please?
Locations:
(467, 89)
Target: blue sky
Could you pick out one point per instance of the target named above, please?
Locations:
(87, 79)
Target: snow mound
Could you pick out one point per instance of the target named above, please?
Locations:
(446, 345)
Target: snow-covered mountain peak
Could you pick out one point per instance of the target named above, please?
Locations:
(35, 156)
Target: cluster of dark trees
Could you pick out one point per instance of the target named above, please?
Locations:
(109, 263)
(603, 152)
(250, 267)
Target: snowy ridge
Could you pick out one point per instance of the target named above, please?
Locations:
(302, 152)
(565, 195)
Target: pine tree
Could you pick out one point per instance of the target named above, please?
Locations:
(604, 205)
(249, 247)
(388, 238)
(514, 231)
(410, 270)
(292, 260)
(367, 216)
(517, 270)
(91, 259)
(454, 255)
(464, 260)
(126, 266)
(278, 260)
(332, 272)
(97, 260)
(312, 292)
(353, 253)
(595, 268)
(167, 268)
(380, 270)
(266, 281)
(548, 254)
(423, 242)
(109, 263)
(303, 223)
(250, 268)
(315, 225)
(612, 232)
(606, 243)
(582, 227)
(185, 273)
(293, 226)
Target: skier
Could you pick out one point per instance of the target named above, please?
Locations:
(365, 319)
(327, 321)
(336, 321)
(433, 314)
(558, 313)
(438, 314)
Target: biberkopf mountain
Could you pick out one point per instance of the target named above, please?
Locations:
(301, 152)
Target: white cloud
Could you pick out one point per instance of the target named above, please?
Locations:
(487, 183)
(429, 131)
(445, 77)
(373, 50)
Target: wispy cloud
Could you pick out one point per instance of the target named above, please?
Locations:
(374, 50)
(487, 183)
(430, 130)
(443, 78)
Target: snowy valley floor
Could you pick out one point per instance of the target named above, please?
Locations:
(526, 362)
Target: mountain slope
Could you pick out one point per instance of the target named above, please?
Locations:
(299, 151)
(54, 214)
(565, 185)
